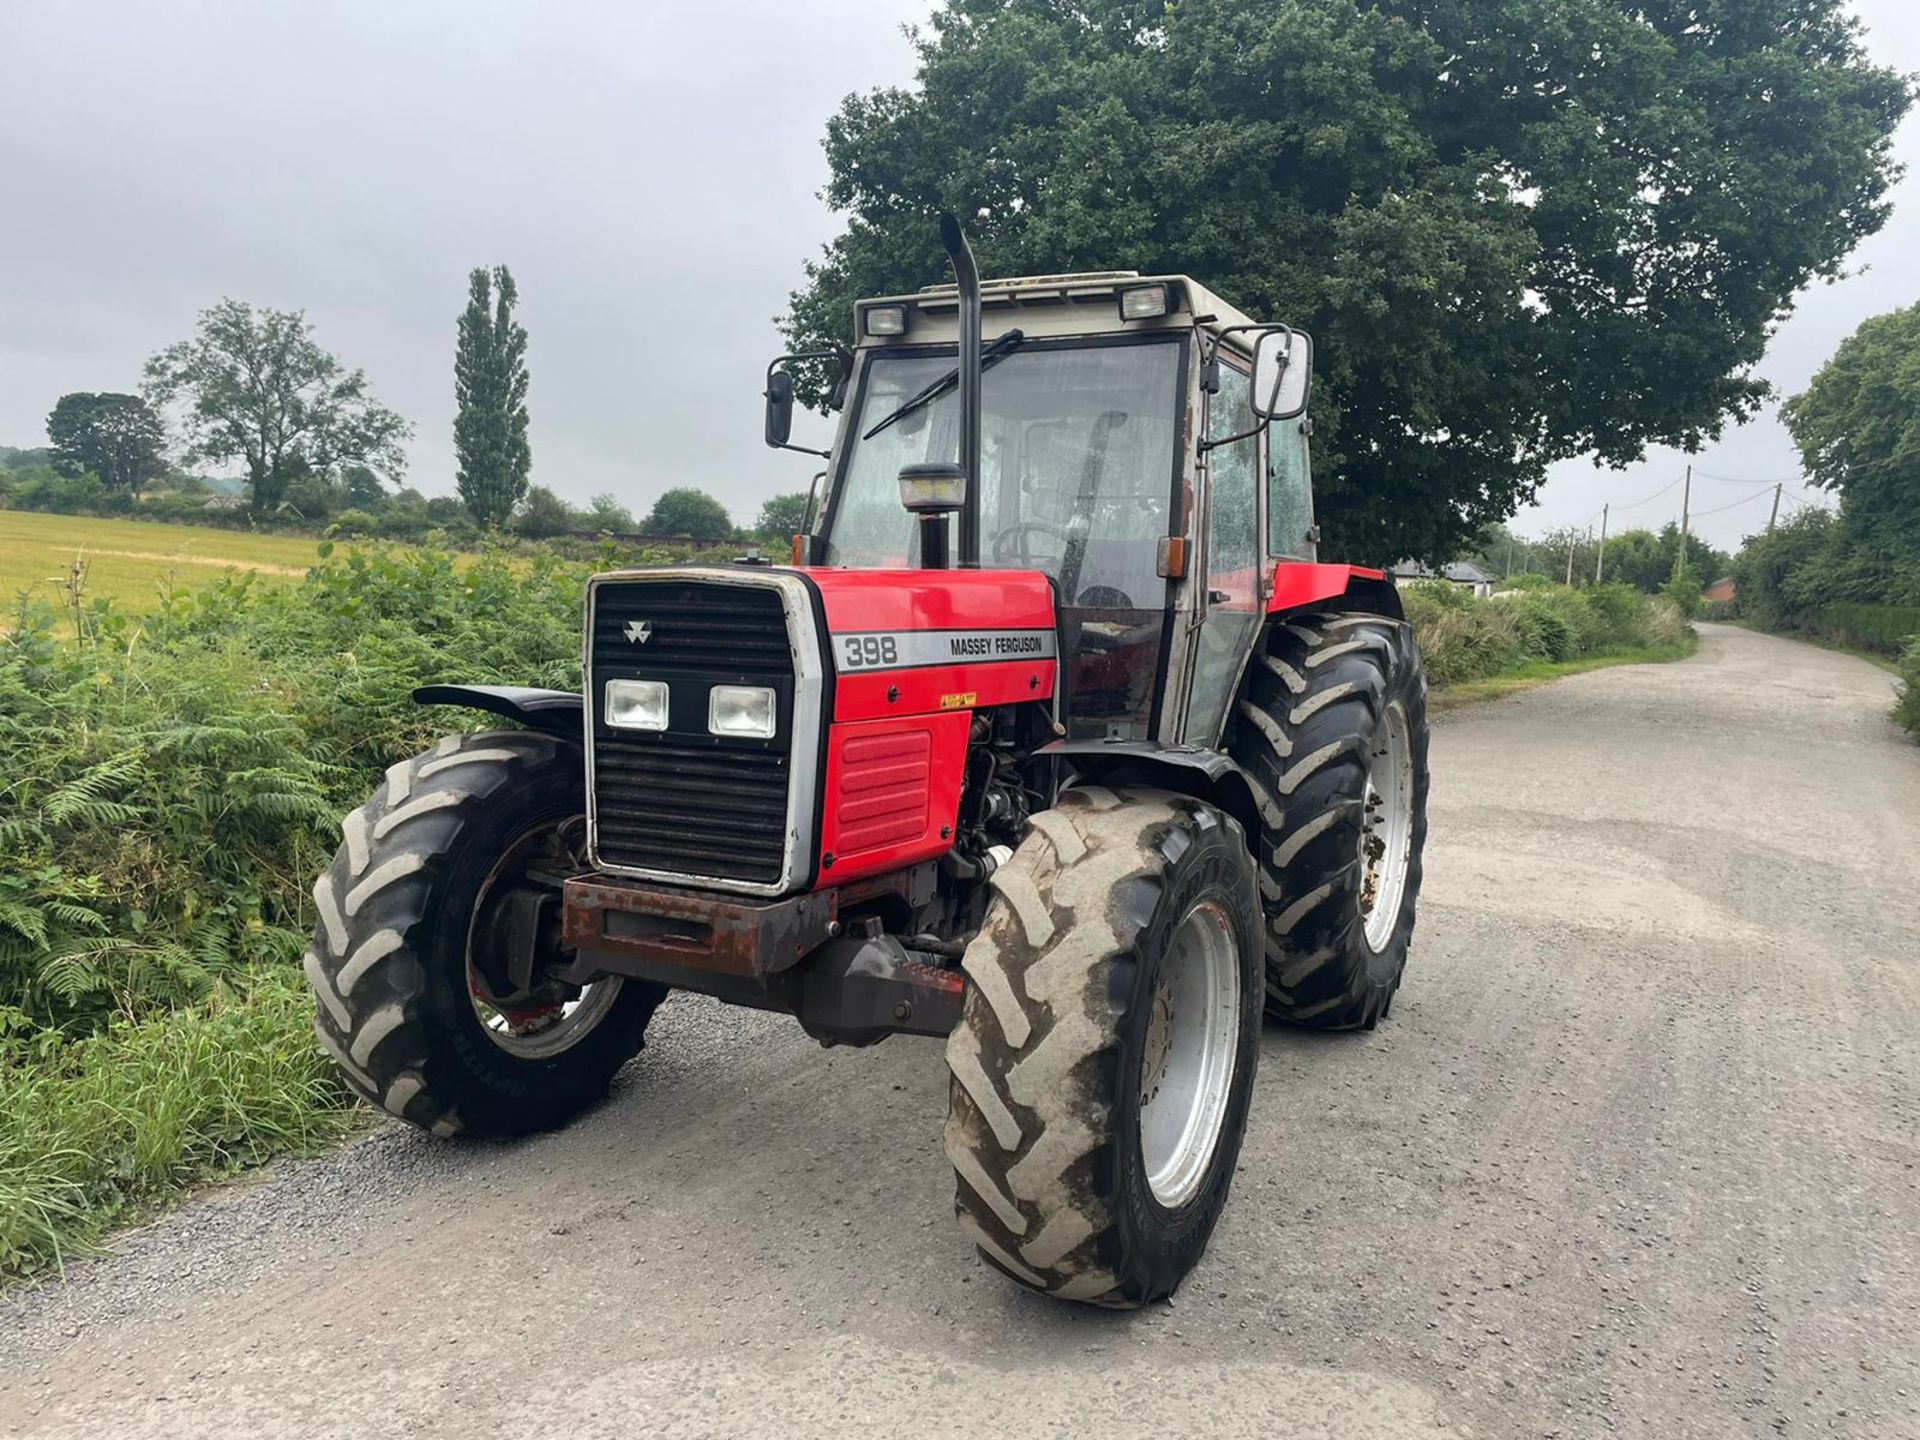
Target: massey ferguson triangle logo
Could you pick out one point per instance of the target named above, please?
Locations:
(639, 631)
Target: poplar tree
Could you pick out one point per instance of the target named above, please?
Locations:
(490, 383)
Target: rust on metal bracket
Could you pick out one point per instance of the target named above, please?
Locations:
(694, 929)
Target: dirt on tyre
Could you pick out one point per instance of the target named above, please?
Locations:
(438, 928)
(1332, 729)
(1105, 1057)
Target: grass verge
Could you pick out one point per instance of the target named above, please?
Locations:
(1536, 673)
(137, 1113)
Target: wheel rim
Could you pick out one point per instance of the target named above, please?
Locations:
(552, 1018)
(1186, 1071)
(1386, 831)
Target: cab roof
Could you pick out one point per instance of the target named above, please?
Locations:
(1054, 305)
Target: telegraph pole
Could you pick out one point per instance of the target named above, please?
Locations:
(1573, 541)
(1600, 560)
(1774, 514)
(1686, 503)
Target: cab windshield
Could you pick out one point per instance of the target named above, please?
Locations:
(1077, 446)
(1076, 465)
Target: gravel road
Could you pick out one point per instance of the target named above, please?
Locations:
(1638, 1152)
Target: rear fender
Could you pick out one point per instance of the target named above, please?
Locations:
(1300, 586)
(557, 712)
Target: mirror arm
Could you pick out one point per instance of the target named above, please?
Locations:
(1213, 359)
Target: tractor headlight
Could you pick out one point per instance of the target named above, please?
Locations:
(886, 320)
(741, 711)
(637, 704)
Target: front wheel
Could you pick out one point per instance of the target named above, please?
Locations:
(439, 930)
(1105, 1056)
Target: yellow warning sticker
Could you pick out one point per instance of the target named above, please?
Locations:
(964, 701)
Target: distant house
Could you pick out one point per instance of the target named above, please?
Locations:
(1463, 573)
(1720, 591)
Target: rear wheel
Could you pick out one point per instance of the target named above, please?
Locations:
(1332, 729)
(1105, 1057)
(439, 927)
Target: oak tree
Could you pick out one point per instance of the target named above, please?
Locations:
(1519, 230)
(253, 386)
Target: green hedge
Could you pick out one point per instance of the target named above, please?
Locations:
(1907, 712)
(1882, 629)
(1462, 638)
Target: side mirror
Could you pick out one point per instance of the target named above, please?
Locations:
(779, 408)
(1282, 374)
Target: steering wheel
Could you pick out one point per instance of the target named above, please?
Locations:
(1010, 545)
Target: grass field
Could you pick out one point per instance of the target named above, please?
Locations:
(127, 560)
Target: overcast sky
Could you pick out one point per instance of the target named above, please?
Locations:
(650, 173)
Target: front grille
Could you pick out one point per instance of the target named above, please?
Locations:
(684, 802)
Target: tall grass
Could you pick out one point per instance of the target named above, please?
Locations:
(1879, 629)
(1463, 638)
(1907, 712)
(98, 1124)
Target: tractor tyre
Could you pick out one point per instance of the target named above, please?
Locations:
(1105, 1054)
(451, 870)
(1332, 729)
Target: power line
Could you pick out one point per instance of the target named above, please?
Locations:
(1655, 496)
(1744, 480)
(1748, 500)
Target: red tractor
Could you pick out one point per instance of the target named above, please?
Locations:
(1087, 788)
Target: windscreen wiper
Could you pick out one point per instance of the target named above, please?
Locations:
(994, 353)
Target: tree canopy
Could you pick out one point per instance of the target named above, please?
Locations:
(1646, 559)
(117, 437)
(253, 386)
(1857, 427)
(689, 513)
(490, 385)
(1519, 230)
(782, 516)
(606, 514)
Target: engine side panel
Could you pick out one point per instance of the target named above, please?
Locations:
(892, 793)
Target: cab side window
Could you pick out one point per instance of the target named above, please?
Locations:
(1289, 490)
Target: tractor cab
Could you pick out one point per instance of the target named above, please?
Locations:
(1121, 454)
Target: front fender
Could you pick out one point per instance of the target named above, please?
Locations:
(1210, 775)
(557, 712)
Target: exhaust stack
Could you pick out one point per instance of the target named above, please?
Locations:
(967, 279)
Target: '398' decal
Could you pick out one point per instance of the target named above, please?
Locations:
(901, 649)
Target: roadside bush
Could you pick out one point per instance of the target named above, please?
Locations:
(1538, 623)
(1882, 629)
(1461, 638)
(1907, 712)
